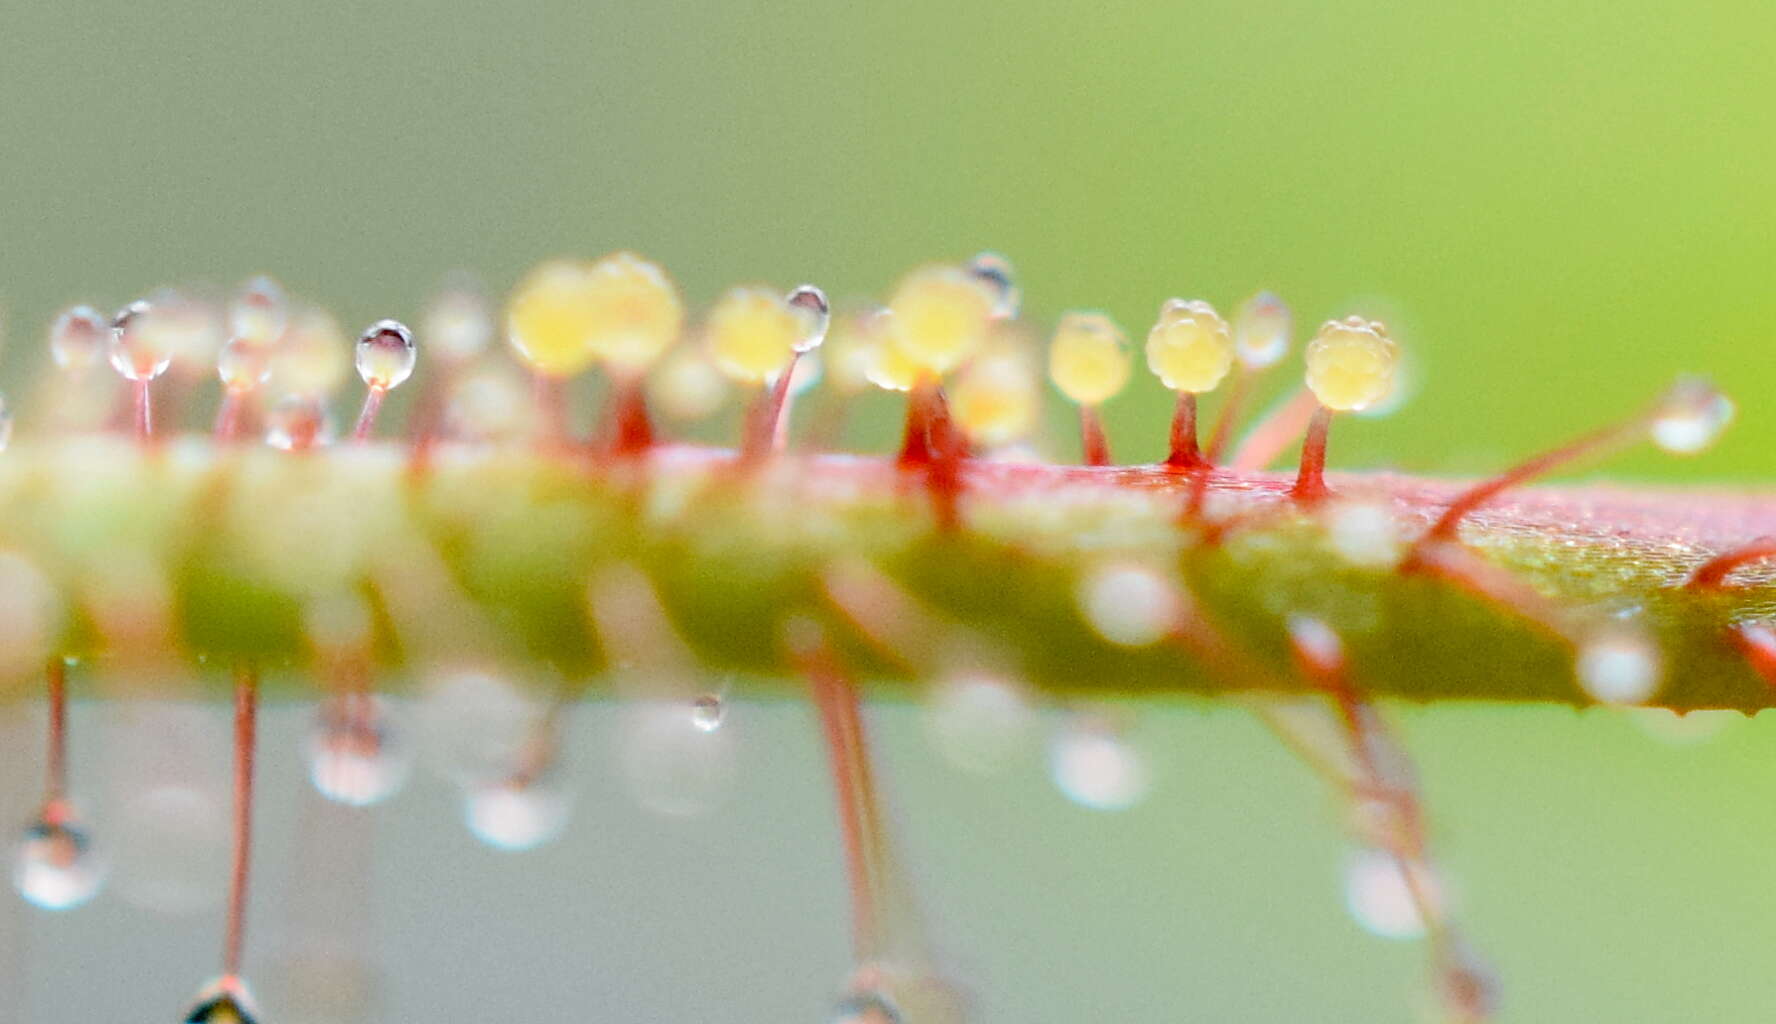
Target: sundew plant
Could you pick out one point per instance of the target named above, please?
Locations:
(915, 513)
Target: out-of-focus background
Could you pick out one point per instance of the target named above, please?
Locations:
(1559, 206)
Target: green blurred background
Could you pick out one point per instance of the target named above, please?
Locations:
(1559, 206)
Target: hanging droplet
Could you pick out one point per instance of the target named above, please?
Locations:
(1096, 766)
(1261, 330)
(866, 1007)
(55, 866)
(812, 301)
(515, 815)
(79, 339)
(356, 754)
(1381, 898)
(980, 723)
(708, 711)
(136, 350)
(1619, 667)
(386, 355)
(5, 423)
(1691, 417)
(458, 325)
(297, 422)
(672, 764)
(259, 312)
(224, 1001)
(996, 273)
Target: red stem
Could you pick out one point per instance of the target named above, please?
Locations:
(246, 702)
(1184, 453)
(1713, 573)
(631, 430)
(1483, 492)
(56, 789)
(1092, 442)
(1310, 481)
(367, 418)
(768, 419)
(144, 418)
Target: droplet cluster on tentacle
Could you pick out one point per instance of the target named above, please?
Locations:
(499, 539)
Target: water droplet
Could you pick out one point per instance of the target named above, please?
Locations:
(491, 403)
(752, 332)
(996, 273)
(979, 723)
(224, 1001)
(458, 325)
(79, 339)
(1088, 358)
(1261, 330)
(866, 1007)
(187, 327)
(356, 754)
(386, 355)
(259, 312)
(177, 842)
(1692, 417)
(5, 423)
(473, 725)
(1095, 765)
(812, 301)
(242, 365)
(1619, 667)
(298, 421)
(312, 356)
(1379, 897)
(515, 815)
(55, 866)
(708, 711)
(136, 351)
(672, 764)
(1130, 605)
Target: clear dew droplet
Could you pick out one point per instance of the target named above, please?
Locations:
(708, 711)
(136, 351)
(298, 421)
(1380, 898)
(1095, 766)
(386, 354)
(79, 339)
(356, 752)
(812, 300)
(1261, 330)
(55, 866)
(242, 365)
(996, 271)
(517, 814)
(1692, 417)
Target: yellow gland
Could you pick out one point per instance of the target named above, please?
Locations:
(997, 396)
(942, 315)
(1190, 348)
(1350, 364)
(851, 347)
(753, 331)
(622, 309)
(312, 357)
(889, 367)
(1088, 359)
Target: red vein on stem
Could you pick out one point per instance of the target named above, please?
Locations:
(1184, 452)
(1094, 446)
(1310, 479)
(1712, 574)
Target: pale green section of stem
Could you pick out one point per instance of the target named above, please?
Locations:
(156, 556)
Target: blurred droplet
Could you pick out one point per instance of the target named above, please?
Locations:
(672, 764)
(259, 312)
(79, 339)
(517, 815)
(5, 423)
(1095, 766)
(1261, 330)
(979, 723)
(996, 272)
(356, 753)
(1692, 416)
(242, 366)
(1130, 605)
(810, 299)
(174, 840)
(458, 324)
(473, 725)
(386, 355)
(298, 421)
(1380, 897)
(492, 403)
(1619, 667)
(224, 1001)
(55, 866)
(867, 1007)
